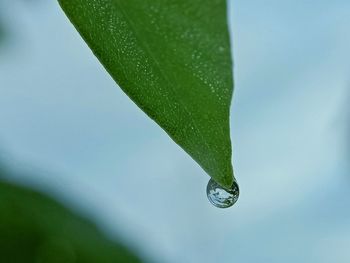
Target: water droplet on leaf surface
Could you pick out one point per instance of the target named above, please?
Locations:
(221, 197)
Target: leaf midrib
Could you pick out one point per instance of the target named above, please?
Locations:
(164, 76)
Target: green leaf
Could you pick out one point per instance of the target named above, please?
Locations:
(35, 228)
(2, 32)
(172, 58)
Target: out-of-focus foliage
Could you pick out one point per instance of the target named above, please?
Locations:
(35, 228)
(3, 29)
(2, 32)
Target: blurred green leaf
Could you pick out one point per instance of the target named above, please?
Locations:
(35, 228)
(172, 58)
(2, 32)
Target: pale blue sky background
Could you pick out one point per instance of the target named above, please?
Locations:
(63, 117)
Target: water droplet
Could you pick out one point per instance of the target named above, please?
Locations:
(221, 197)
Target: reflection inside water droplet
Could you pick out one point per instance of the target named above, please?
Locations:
(221, 197)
